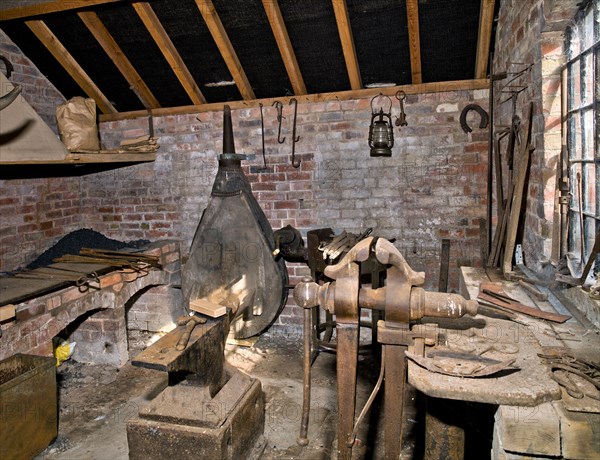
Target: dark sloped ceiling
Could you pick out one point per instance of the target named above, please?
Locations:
(448, 35)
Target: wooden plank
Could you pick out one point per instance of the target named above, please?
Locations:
(414, 40)
(115, 53)
(285, 45)
(215, 26)
(60, 53)
(28, 11)
(7, 312)
(164, 43)
(88, 158)
(486, 22)
(423, 88)
(517, 198)
(340, 8)
(208, 308)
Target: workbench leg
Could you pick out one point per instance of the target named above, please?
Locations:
(395, 376)
(444, 430)
(347, 362)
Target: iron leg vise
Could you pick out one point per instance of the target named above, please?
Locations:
(402, 300)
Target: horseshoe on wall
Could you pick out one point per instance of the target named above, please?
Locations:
(482, 113)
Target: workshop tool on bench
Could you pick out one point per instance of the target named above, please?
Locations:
(131, 256)
(493, 294)
(403, 301)
(81, 279)
(139, 266)
(190, 322)
(533, 290)
(459, 364)
(563, 364)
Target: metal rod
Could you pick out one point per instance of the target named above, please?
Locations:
(490, 158)
(303, 438)
(262, 130)
(294, 137)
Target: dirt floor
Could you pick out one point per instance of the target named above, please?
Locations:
(95, 403)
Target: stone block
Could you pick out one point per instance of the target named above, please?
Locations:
(193, 431)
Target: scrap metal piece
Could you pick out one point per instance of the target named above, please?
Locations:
(458, 364)
(492, 293)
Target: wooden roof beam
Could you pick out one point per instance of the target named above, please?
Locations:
(340, 8)
(486, 23)
(60, 53)
(113, 50)
(28, 11)
(423, 88)
(285, 45)
(164, 43)
(215, 26)
(414, 40)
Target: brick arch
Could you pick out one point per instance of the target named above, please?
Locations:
(41, 319)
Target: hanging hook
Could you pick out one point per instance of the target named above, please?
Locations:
(401, 119)
(294, 137)
(280, 118)
(262, 129)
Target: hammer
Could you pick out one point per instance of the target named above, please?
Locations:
(190, 323)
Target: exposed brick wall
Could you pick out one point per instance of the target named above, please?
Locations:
(35, 212)
(433, 187)
(532, 32)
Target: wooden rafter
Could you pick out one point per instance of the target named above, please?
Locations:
(414, 40)
(215, 26)
(343, 23)
(60, 53)
(285, 45)
(113, 50)
(158, 33)
(486, 22)
(423, 88)
(39, 9)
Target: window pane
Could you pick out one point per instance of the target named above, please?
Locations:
(574, 82)
(588, 30)
(589, 188)
(588, 134)
(587, 79)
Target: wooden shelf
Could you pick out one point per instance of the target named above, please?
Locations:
(90, 158)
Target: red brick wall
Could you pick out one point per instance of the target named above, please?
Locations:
(433, 187)
(531, 32)
(34, 212)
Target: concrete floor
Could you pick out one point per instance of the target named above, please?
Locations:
(96, 401)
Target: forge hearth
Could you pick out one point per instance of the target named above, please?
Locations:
(98, 318)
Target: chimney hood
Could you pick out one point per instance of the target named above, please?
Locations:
(24, 136)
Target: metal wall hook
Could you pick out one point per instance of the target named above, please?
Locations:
(294, 137)
(262, 129)
(401, 120)
(280, 117)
